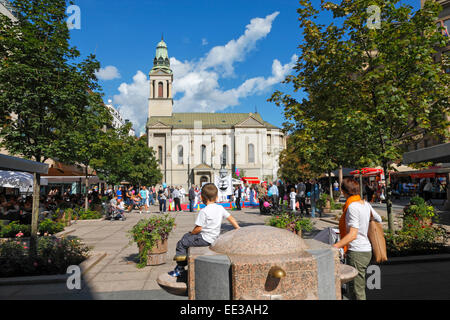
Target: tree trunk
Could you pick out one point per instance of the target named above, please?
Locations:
(35, 213)
(341, 177)
(330, 186)
(86, 183)
(387, 178)
(361, 185)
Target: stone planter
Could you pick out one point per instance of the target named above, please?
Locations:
(157, 255)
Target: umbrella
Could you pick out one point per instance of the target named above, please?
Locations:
(18, 180)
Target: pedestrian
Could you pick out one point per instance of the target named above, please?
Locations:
(252, 195)
(237, 197)
(293, 196)
(427, 190)
(301, 197)
(119, 193)
(353, 228)
(144, 200)
(315, 196)
(183, 194)
(192, 198)
(177, 198)
(273, 193)
(162, 198)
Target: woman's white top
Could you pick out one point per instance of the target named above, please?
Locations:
(358, 217)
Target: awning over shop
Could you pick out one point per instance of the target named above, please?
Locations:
(251, 180)
(432, 172)
(438, 154)
(9, 163)
(367, 172)
(71, 179)
(19, 180)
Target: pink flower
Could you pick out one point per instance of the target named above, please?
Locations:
(35, 264)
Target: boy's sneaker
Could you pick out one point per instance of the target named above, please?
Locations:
(177, 272)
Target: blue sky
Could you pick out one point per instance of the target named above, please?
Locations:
(227, 56)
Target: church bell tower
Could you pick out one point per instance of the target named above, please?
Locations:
(161, 78)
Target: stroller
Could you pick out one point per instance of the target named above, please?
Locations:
(113, 213)
(268, 210)
(330, 236)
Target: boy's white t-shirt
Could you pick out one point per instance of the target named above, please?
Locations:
(293, 195)
(210, 219)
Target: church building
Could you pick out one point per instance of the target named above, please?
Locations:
(192, 147)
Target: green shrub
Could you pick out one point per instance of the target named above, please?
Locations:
(50, 227)
(290, 222)
(419, 234)
(13, 229)
(54, 256)
(88, 215)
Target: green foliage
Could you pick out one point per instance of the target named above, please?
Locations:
(419, 234)
(290, 222)
(323, 199)
(53, 256)
(129, 159)
(147, 231)
(83, 214)
(14, 228)
(366, 94)
(50, 227)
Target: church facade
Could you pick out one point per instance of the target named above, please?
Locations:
(192, 147)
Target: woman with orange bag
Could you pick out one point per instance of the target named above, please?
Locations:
(353, 228)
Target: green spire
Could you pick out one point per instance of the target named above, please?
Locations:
(161, 60)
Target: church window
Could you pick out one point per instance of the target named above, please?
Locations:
(251, 153)
(225, 155)
(160, 155)
(180, 155)
(203, 153)
(160, 90)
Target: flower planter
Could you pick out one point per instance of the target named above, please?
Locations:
(157, 255)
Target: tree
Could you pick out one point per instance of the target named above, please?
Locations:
(128, 159)
(143, 164)
(293, 166)
(88, 144)
(40, 84)
(382, 84)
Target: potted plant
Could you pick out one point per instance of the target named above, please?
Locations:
(324, 203)
(151, 236)
(290, 222)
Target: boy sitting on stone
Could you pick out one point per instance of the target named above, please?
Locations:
(207, 228)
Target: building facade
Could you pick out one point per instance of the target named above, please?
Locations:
(118, 121)
(7, 9)
(192, 147)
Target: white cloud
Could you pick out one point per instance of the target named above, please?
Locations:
(204, 42)
(133, 101)
(222, 58)
(108, 73)
(196, 84)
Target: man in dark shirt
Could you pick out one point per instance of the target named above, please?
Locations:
(191, 198)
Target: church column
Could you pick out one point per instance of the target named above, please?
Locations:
(164, 88)
(151, 89)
